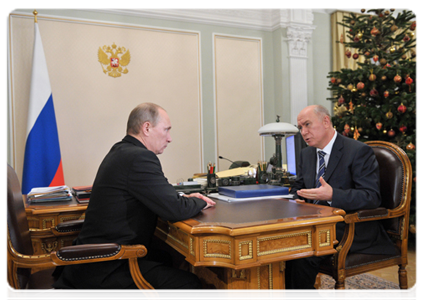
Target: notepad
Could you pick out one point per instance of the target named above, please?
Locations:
(253, 190)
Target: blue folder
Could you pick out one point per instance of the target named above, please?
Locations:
(253, 190)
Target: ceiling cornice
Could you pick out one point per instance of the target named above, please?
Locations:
(256, 19)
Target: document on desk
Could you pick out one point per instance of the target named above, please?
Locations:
(231, 199)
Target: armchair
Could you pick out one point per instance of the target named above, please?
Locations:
(395, 187)
(25, 270)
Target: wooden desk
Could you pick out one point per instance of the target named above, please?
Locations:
(243, 245)
(46, 215)
(239, 245)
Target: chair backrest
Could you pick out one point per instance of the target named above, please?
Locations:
(395, 181)
(17, 222)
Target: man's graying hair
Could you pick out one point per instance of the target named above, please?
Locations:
(322, 111)
(145, 112)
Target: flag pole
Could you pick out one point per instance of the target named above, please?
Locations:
(35, 16)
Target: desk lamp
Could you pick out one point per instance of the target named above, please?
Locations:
(278, 130)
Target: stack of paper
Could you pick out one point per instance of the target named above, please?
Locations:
(47, 194)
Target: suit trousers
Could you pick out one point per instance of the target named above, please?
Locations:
(301, 273)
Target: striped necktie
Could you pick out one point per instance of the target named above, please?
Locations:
(322, 168)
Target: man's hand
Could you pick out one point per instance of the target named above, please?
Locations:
(209, 201)
(322, 193)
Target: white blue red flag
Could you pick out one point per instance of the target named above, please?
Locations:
(42, 162)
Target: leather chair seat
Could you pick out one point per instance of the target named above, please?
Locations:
(40, 288)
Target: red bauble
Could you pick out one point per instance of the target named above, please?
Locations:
(360, 86)
(379, 126)
(347, 128)
(355, 55)
(348, 53)
(333, 80)
(410, 146)
(375, 58)
(391, 133)
(409, 80)
(397, 78)
(402, 108)
(373, 92)
(386, 94)
(403, 128)
(341, 100)
(374, 31)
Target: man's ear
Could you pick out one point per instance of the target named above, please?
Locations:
(326, 121)
(145, 128)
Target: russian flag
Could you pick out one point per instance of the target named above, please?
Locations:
(42, 161)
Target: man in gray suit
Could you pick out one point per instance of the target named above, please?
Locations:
(129, 193)
(341, 172)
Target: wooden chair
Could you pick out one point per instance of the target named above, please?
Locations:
(25, 270)
(395, 186)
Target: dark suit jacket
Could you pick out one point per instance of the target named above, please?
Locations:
(353, 173)
(129, 192)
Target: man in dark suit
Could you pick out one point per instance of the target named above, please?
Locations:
(341, 172)
(129, 193)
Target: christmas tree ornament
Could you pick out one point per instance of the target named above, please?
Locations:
(359, 35)
(360, 85)
(403, 128)
(417, 179)
(386, 94)
(408, 81)
(410, 146)
(394, 28)
(392, 49)
(341, 39)
(384, 131)
(363, 10)
(391, 133)
(348, 53)
(402, 108)
(351, 108)
(383, 78)
(355, 55)
(375, 58)
(347, 128)
(350, 86)
(383, 61)
(333, 80)
(379, 126)
(406, 38)
(356, 134)
(397, 78)
(374, 92)
(389, 115)
(414, 25)
(374, 31)
(356, 39)
(338, 80)
(341, 100)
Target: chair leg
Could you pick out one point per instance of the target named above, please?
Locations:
(402, 276)
(340, 290)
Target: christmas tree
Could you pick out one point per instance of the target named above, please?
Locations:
(377, 100)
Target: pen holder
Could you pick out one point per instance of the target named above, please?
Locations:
(211, 180)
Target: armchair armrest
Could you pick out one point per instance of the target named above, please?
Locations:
(70, 226)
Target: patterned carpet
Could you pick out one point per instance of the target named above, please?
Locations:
(365, 287)
(360, 287)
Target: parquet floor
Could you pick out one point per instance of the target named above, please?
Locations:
(391, 273)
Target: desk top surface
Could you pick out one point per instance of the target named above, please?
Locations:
(267, 212)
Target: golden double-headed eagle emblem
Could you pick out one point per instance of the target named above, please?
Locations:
(113, 60)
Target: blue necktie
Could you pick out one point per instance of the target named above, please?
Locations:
(321, 173)
(322, 168)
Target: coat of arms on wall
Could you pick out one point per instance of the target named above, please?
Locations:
(114, 60)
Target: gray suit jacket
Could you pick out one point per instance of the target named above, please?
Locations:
(353, 173)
